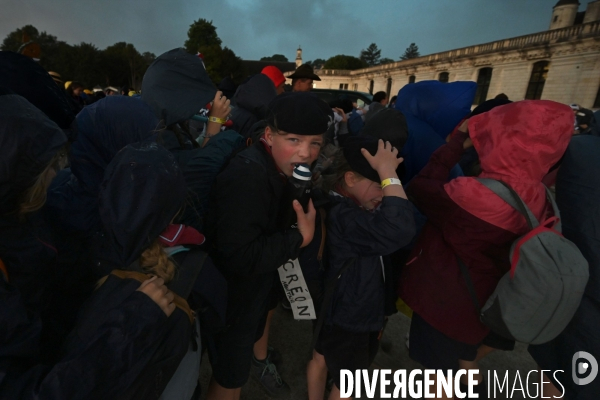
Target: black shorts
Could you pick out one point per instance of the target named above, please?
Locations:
(346, 350)
(434, 350)
(234, 348)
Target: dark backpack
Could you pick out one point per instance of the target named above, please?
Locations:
(537, 298)
(154, 377)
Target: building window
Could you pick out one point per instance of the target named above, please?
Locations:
(389, 87)
(356, 87)
(343, 86)
(411, 79)
(537, 80)
(597, 102)
(371, 84)
(483, 85)
(556, 18)
(444, 77)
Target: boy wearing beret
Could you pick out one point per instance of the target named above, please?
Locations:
(249, 245)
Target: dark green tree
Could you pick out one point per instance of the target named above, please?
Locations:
(231, 65)
(318, 63)
(201, 35)
(386, 61)
(148, 57)
(344, 62)
(219, 61)
(276, 58)
(84, 64)
(54, 55)
(411, 52)
(123, 65)
(371, 55)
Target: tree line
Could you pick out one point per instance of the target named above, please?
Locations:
(368, 57)
(123, 65)
(118, 65)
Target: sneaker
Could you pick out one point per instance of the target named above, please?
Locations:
(265, 373)
(275, 357)
(285, 303)
(329, 384)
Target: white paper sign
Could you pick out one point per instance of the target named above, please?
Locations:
(296, 290)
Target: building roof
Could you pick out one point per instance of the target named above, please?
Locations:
(566, 3)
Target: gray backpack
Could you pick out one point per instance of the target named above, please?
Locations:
(536, 299)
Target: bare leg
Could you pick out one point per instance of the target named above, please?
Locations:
(316, 376)
(482, 351)
(335, 393)
(548, 388)
(218, 392)
(261, 346)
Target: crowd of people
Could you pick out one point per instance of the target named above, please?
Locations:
(141, 231)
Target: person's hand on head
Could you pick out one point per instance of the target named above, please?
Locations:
(385, 161)
(306, 221)
(155, 289)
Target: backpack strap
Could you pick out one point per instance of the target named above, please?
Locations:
(557, 225)
(179, 302)
(187, 272)
(323, 215)
(507, 194)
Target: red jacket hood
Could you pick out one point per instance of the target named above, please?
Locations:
(517, 143)
(520, 142)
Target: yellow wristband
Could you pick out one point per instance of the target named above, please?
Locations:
(217, 120)
(390, 181)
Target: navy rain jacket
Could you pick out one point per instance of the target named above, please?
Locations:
(364, 237)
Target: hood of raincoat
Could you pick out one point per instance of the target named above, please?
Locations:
(517, 143)
(143, 189)
(105, 127)
(432, 110)
(27, 78)
(177, 86)
(441, 105)
(255, 95)
(28, 142)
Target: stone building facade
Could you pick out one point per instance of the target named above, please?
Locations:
(561, 64)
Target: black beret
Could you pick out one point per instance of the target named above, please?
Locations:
(356, 160)
(489, 105)
(389, 125)
(300, 113)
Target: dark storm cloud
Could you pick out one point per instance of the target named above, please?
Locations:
(257, 28)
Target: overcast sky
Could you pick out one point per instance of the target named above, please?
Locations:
(258, 28)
